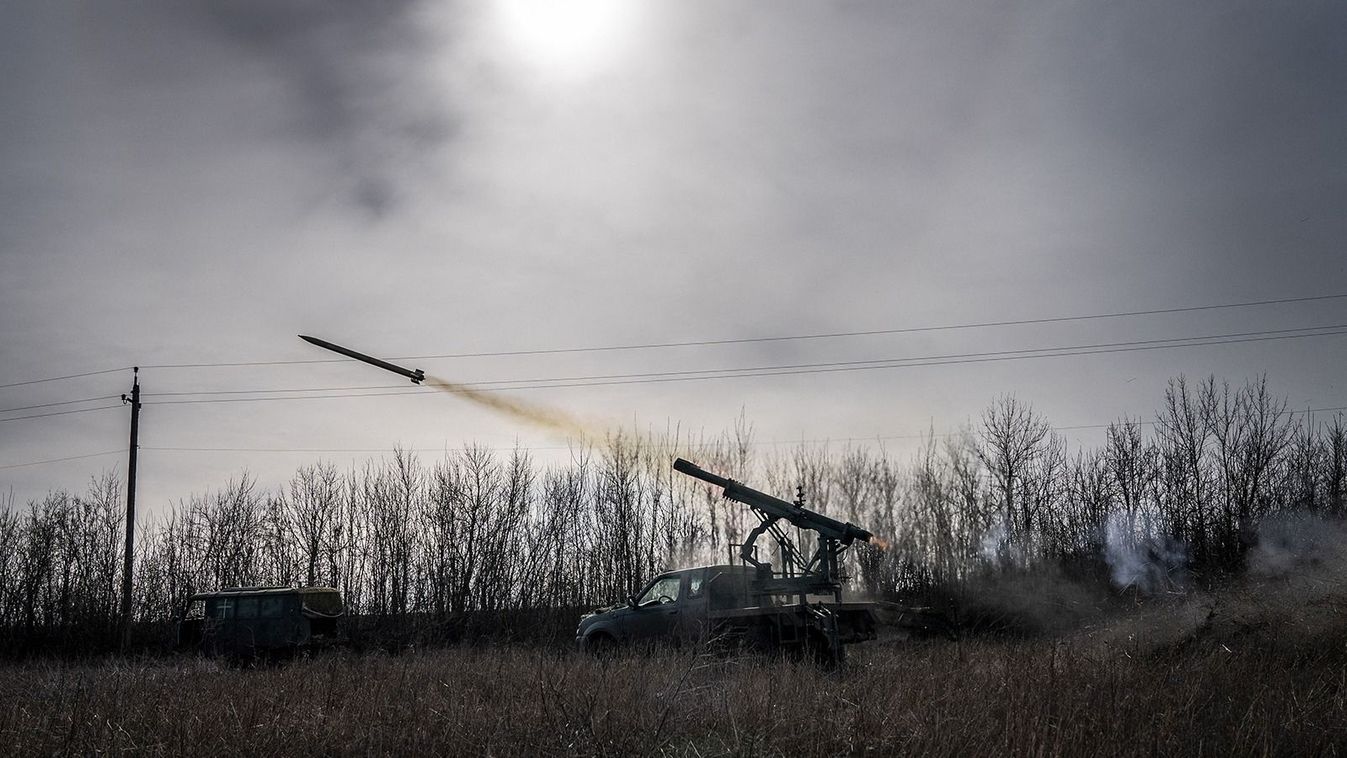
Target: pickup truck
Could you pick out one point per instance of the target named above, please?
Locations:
(718, 603)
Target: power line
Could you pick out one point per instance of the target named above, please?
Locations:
(820, 440)
(67, 376)
(175, 449)
(363, 387)
(501, 449)
(63, 402)
(441, 449)
(784, 338)
(724, 341)
(548, 380)
(829, 367)
(951, 356)
(774, 443)
(876, 332)
(60, 460)
(847, 366)
(59, 413)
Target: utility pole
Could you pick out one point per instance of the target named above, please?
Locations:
(130, 508)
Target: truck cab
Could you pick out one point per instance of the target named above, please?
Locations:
(676, 606)
(244, 622)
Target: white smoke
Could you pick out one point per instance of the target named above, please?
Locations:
(1293, 545)
(992, 546)
(1146, 562)
(998, 547)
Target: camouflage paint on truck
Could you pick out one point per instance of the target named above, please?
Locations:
(243, 622)
(719, 603)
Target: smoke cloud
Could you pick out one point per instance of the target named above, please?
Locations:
(1299, 545)
(535, 414)
(354, 78)
(993, 545)
(1153, 563)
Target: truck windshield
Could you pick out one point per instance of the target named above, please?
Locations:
(664, 590)
(323, 603)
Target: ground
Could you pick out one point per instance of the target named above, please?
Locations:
(1187, 676)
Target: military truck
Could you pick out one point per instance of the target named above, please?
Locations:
(719, 603)
(794, 607)
(249, 622)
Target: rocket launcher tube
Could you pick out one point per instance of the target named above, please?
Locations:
(774, 506)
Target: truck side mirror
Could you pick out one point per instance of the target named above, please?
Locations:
(631, 600)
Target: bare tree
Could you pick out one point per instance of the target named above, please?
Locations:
(1012, 439)
(1132, 464)
(478, 531)
(310, 515)
(1336, 464)
(1251, 429)
(1183, 432)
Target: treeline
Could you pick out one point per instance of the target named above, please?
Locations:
(1164, 498)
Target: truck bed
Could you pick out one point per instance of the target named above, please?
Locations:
(791, 609)
(856, 621)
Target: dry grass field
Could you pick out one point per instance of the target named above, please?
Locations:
(1228, 677)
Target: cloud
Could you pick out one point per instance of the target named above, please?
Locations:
(354, 79)
(266, 167)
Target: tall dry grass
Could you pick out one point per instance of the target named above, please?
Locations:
(1136, 690)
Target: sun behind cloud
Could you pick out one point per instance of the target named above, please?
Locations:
(572, 38)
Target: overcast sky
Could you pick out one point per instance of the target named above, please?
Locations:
(193, 182)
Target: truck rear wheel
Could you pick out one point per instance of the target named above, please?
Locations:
(820, 649)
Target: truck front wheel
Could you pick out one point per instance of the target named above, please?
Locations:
(600, 645)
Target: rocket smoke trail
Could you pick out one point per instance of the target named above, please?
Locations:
(537, 415)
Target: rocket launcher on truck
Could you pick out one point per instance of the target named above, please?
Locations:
(798, 575)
